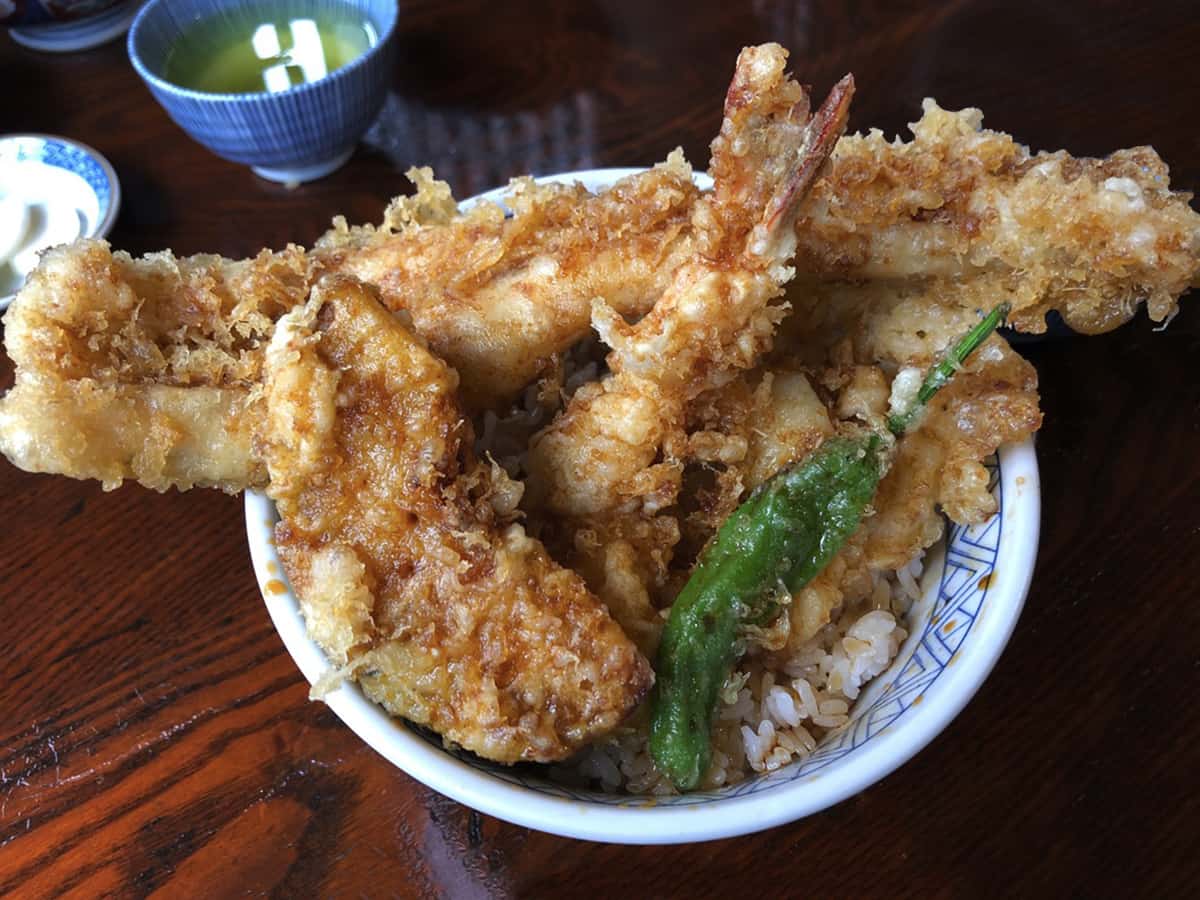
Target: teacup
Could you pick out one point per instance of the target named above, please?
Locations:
(296, 134)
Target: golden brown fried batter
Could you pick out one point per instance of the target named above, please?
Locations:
(959, 217)
(993, 400)
(87, 312)
(159, 435)
(715, 318)
(146, 369)
(744, 432)
(406, 576)
(598, 465)
(500, 299)
(1089, 238)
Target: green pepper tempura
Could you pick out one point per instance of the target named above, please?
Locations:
(772, 545)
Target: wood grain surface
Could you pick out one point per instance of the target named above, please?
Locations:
(155, 737)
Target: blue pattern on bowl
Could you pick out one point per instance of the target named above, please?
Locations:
(304, 127)
(969, 559)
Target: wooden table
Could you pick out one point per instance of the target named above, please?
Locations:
(154, 734)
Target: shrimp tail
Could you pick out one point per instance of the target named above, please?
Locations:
(821, 136)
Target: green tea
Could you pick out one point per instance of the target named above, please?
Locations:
(268, 47)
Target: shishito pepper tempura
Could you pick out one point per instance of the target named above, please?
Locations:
(487, 520)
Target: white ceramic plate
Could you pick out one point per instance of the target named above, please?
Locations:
(973, 587)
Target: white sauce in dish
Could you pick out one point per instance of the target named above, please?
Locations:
(41, 206)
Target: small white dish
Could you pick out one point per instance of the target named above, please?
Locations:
(52, 191)
(78, 34)
(973, 588)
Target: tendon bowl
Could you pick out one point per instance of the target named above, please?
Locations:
(294, 135)
(972, 589)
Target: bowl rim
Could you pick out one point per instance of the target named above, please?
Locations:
(640, 820)
(177, 90)
(108, 216)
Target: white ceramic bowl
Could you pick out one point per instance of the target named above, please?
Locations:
(973, 587)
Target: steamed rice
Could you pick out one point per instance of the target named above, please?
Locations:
(774, 709)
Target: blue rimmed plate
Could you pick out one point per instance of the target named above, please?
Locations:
(52, 190)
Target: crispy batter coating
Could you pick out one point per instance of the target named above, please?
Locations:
(960, 216)
(993, 400)
(597, 465)
(501, 299)
(1089, 238)
(340, 378)
(740, 434)
(937, 468)
(714, 320)
(158, 435)
(97, 336)
(87, 312)
(146, 369)
(444, 615)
